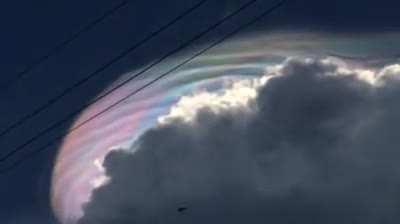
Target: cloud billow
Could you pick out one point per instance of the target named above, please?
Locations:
(316, 144)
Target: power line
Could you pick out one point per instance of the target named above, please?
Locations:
(214, 44)
(147, 68)
(61, 46)
(98, 71)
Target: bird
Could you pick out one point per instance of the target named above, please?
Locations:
(182, 209)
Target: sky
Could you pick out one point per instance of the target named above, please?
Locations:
(32, 28)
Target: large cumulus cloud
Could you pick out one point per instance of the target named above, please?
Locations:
(318, 143)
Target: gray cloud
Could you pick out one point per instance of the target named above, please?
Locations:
(321, 148)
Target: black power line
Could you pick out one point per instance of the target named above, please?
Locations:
(87, 78)
(92, 75)
(214, 44)
(61, 46)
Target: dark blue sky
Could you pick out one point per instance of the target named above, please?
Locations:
(31, 28)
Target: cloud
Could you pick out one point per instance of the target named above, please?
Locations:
(235, 96)
(316, 142)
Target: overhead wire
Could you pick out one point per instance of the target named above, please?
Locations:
(97, 72)
(59, 47)
(212, 45)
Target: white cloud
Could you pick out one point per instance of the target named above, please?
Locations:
(235, 95)
(238, 94)
(101, 179)
(301, 155)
